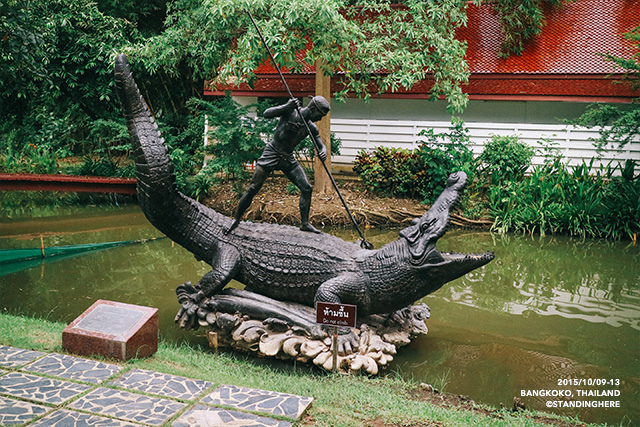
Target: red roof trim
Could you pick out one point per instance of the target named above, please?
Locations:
(478, 97)
(566, 87)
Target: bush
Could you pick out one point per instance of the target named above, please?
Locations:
(31, 159)
(103, 166)
(422, 172)
(622, 204)
(442, 154)
(307, 148)
(556, 199)
(505, 158)
(389, 171)
(237, 138)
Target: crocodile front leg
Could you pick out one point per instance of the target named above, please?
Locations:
(226, 264)
(348, 288)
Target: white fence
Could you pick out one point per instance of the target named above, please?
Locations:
(574, 143)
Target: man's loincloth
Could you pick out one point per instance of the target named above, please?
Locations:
(273, 159)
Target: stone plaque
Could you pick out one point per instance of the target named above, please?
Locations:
(113, 329)
(111, 319)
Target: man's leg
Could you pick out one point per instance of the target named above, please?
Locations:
(299, 178)
(259, 177)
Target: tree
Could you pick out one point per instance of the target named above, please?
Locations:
(520, 20)
(56, 80)
(371, 45)
(617, 125)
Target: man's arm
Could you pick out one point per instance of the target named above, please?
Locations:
(321, 148)
(279, 110)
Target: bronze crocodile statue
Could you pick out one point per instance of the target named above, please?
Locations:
(281, 261)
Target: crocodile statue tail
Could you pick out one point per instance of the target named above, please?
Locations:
(164, 206)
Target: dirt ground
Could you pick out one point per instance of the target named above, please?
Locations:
(275, 204)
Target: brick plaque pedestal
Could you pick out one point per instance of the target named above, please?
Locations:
(113, 329)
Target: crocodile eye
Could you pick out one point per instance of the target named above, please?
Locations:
(427, 225)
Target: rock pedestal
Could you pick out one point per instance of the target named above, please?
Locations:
(250, 322)
(113, 329)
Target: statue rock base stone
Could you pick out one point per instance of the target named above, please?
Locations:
(286, 331)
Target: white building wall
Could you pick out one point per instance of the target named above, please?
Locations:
(573, 143)
(397, 123)
(476, 111)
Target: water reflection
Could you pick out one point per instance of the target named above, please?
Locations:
(595, 281)
(544, 309)
(592, 280)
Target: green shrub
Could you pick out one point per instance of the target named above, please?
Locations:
(109, 138)
(307, 149)
(442, 154)
(578, 201)
(505, 158)
(422, 172)
(622, 204)
(103, 166)
(236, 137)
(389, 171)
(31, 159)
(196, 186)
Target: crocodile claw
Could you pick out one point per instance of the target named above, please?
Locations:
(347, 342)
(190, 298)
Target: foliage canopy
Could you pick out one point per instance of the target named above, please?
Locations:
(370, 45)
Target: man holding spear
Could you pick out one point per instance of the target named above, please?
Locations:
(294, 126)
(279, 153)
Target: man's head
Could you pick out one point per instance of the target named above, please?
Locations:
(318, 108)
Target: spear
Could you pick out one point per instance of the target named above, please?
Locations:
(363, 242)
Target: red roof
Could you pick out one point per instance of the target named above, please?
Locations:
(572, 41)
(563, 63)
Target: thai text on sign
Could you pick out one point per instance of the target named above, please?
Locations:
(333, 314)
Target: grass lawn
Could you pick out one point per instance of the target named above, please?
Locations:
(340, 400)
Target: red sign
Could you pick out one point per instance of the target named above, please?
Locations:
(332, 314)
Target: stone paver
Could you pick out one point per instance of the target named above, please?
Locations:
(128, 406)
(39, 389)
(39, 386)
(64, 418)
(73, 368)
(12, 357)
(206, 416)
(266, 402)
(19, 412)
(162, 384)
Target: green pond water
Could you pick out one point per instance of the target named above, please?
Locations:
(546, 311)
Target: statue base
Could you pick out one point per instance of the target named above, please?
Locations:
(251, 322)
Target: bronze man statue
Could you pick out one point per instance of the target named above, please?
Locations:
(278, 154)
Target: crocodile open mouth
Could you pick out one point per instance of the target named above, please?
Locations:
(469, 260)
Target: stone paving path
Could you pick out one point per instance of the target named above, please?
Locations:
(56, 390)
